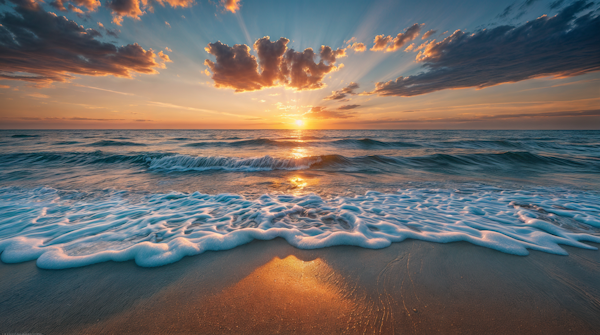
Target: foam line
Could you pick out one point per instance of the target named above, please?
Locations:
(47, 225)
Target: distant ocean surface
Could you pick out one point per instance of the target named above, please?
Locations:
(70, 198)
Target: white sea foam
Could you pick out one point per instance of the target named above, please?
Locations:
(71, 229)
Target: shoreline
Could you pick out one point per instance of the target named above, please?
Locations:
(272, 287)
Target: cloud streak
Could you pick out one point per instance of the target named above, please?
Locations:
(275, 65)
(323, 113)
(564, 45)
(343, 93)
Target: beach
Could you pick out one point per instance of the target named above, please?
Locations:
(269, 287)
(289, 231)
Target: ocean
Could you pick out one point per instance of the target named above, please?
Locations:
(70, 198)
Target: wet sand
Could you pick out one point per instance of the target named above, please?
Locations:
(270, 287)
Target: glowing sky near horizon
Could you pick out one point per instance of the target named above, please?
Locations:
(525, 64)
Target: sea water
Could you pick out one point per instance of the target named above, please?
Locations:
(70, 198)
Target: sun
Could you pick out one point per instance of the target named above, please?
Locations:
(299, 123)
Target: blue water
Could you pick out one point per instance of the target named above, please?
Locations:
(76, 197)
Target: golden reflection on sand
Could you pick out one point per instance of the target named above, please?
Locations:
(303, 295)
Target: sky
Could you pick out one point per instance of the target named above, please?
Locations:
(249, 64)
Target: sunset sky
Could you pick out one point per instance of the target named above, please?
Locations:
(524, 64)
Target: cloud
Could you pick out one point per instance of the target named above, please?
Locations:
(507, 11)
(231, 5)
(348, 107)
(165, 58)
(277, 65)
(91, 5)
(556, 4)
(168, 49)
(111, 32)
(103, 89)
(39, 95)
(357, 47)
(402, 38)
(497, 117)
(381, 41)
(136, 8)
(61, 47)
(167, 24)
(428, 34)
(343, 93)
(563, 45)
(122, 8)
(323, 113)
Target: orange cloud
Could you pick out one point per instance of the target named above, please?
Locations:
(231, 5)
(358, 47)
(380, 42)
(428, 34)
(402, 38)
(277, 65)
(136, 8)
(91, 5)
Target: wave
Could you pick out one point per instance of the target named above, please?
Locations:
(24, 136)
(66, 143)
(65, 229)
(265, 163)
(507, 161)
(111, 143)
(364, 143)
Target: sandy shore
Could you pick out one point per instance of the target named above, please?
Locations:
(271, 287)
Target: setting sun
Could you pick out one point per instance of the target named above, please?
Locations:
(299, 123)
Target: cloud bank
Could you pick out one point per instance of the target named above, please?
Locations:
(563, 45)
(276, 65)
(39, 46)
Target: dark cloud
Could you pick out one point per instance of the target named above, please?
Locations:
(563, 45)
(527, 3)
(110, 32)
(556, 4)
(343, 93)
(42, 47)
(277, 65)
(348, 107)
(428, 34)
(323, 113)
(506, 12)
